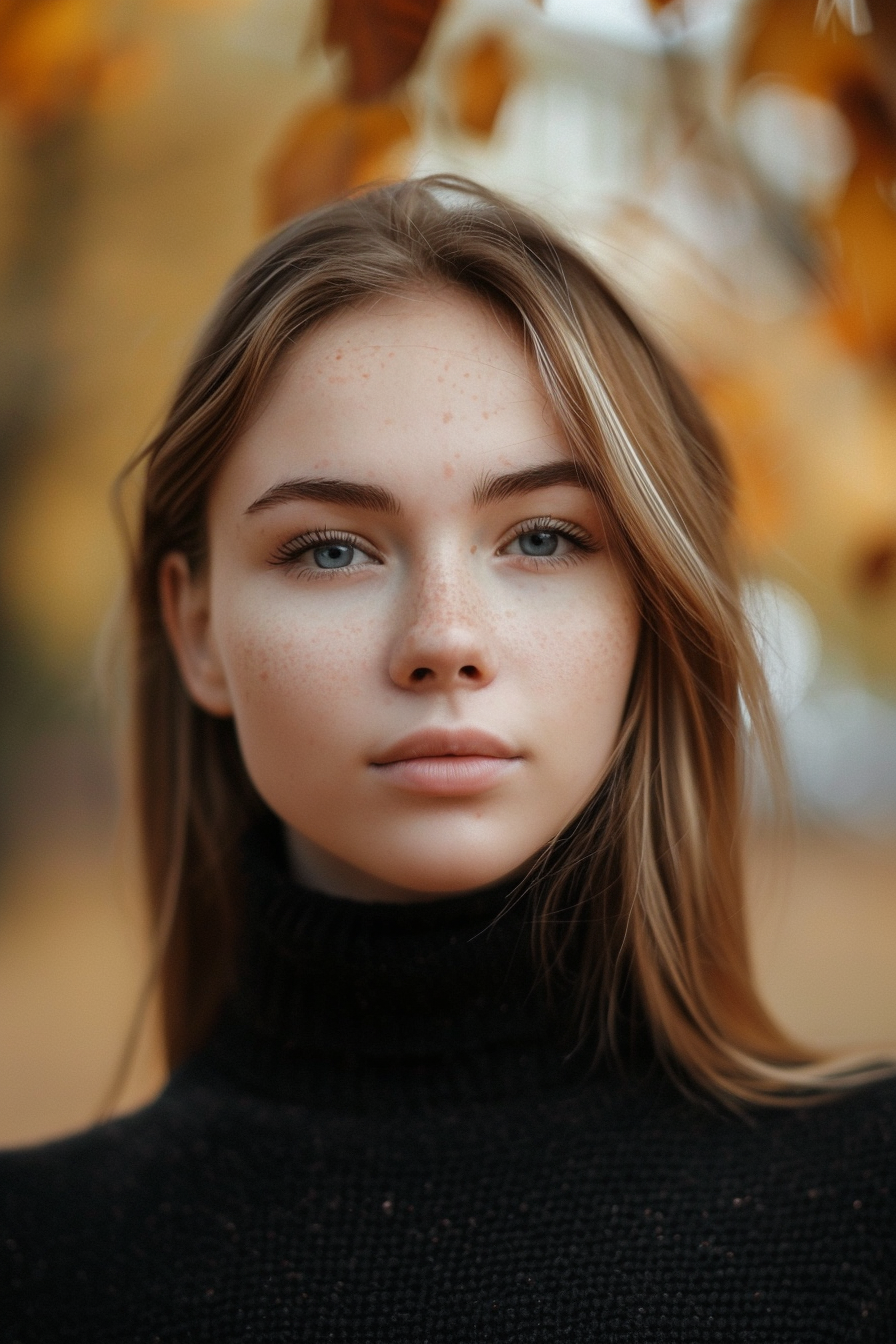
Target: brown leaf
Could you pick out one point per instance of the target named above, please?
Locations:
(383, 39)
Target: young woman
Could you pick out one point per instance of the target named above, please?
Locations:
(438, 682)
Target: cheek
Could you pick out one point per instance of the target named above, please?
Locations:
(296, 683)
(583, 650)
(579, 661)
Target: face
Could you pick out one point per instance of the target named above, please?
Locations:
(410, 606)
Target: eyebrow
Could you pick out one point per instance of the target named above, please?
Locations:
(490, 489)
(494, 487)
(375, 498)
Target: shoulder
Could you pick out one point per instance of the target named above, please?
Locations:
(844, 1142)
(859, 1119)
(854, 1120)
(101, 1168)
(91, 1224)
(847, 1141)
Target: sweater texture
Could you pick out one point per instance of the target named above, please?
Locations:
(384, 1142)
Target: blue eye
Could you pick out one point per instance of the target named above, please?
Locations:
(318, 553)
(545, 539)
(335, 555)
(538, 543)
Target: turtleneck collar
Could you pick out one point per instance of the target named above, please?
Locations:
(334, 985)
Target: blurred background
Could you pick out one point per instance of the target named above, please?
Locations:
(732, 164)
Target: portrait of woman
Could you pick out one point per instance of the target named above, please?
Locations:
(443, 698)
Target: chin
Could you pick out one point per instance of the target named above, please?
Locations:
(446, 850)
(424, 873)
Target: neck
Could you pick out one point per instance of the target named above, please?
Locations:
(357, 998)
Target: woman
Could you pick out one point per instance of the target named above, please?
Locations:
(438, 682)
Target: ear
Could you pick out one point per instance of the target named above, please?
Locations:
(186, 612)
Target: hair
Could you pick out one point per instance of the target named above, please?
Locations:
(640, 901)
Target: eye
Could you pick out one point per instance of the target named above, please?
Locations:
(538, 543)
(317, 553)
(335, 555)
(544, 538)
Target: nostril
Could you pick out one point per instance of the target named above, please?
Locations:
(469, 671)
(419, 673)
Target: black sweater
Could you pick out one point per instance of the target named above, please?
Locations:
(382, 1142)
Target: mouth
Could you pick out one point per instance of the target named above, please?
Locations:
(447, 762)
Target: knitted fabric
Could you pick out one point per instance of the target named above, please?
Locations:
(382, 1143)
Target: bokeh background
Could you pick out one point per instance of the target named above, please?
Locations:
(732, 164)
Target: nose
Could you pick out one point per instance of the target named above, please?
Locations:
(446, 641)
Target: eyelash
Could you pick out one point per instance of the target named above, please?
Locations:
(290, 551)
(577, 535)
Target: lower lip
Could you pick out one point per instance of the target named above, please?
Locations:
(450, 776)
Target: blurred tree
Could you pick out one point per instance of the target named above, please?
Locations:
(52, 57)
(845, 55)
(854, 73)
(57, 59)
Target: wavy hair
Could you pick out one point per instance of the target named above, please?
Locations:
(640, 901)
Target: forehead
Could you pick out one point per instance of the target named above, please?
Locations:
(400, 392)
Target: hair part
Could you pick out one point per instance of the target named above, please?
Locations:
(640, 901)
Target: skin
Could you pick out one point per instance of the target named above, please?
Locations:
(443, 618)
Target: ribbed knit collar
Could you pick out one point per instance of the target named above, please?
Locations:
(326, 981)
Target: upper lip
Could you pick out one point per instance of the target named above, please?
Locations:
(445, 742)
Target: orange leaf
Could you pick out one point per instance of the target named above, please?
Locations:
(53, 57)
(743, 416)
(481, 77)
(326, 151)
(859, 231)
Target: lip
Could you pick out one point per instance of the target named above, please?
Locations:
(446, 742)
(447, 762)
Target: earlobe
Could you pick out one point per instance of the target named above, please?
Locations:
(184, 598)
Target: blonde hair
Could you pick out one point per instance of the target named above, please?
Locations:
(641, 899)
